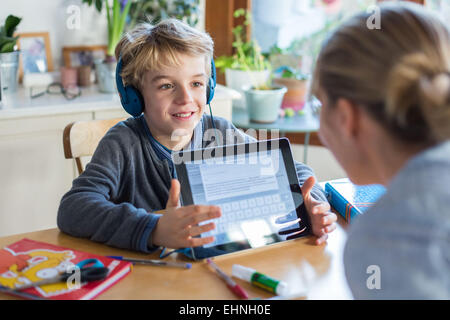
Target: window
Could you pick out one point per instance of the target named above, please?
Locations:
(299, 26)
(442, 7)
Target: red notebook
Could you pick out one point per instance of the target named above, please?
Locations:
(28, 261)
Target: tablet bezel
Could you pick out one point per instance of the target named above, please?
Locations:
(238, 149)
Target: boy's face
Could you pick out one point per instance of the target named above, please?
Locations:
(175, 97)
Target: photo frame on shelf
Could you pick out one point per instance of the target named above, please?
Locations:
(76, 56)
(35, 53)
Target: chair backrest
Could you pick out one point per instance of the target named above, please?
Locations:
(80, 138)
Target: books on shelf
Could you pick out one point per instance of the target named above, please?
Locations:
(351, 200)
(29, 261)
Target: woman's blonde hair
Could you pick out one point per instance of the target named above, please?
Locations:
(400, 74)
(150, 47)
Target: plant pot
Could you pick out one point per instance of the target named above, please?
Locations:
(295, 96)
(264, 106)
(279, 60)
(9, 65)
(106, 76)
(238, 79)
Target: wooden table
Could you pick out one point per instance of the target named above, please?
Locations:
(323, 278)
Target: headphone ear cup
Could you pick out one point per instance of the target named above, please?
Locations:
(135, 103)
(211, 83)
(131, 99)
(210, 91)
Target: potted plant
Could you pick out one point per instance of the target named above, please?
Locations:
(248, 71)
(9, 56)
(116, 16)
(297, 85)
(247, 66)
(279, 57)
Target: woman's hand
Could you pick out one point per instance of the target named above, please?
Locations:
(178, 226)
(323, 221)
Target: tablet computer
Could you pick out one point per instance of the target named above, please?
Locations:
(257, 188)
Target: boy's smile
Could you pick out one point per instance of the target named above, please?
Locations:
(175, 97)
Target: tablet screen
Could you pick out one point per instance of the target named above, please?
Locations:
(255, 188)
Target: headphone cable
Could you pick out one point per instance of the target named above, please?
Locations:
(216, 138)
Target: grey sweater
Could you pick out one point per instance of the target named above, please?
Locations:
(113, 199)
(404, 239)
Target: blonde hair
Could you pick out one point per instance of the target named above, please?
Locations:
(399, 74)
(151, 47)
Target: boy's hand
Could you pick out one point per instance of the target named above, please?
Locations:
(177, 227)
(322, 219)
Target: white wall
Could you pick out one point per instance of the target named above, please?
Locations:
(52, 16)
(321, 160)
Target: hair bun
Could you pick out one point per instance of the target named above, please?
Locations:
(436, 90)
(403, 98)
(436, 104)
(418, 96)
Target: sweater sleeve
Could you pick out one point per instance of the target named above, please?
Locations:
(303, 173)
(88, 210)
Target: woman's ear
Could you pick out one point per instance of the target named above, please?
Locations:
(347, 118)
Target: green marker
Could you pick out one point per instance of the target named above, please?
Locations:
(301, 112)
(260, 280)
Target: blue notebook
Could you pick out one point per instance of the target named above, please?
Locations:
(351, 200)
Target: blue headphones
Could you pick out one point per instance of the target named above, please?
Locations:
(132, 100)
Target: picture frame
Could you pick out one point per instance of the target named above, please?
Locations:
(35, 53)
(75, 56)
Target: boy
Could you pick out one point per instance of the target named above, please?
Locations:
(130, 174)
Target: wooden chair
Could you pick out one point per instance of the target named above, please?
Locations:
(80, 138)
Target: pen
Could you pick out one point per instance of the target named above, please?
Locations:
(154, 262)
(260, 280)
(230, 283)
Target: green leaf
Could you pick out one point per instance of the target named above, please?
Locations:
(288, 73)
(4, 40)
(123, 18)
(7, 47)
(11, 24)
(115, 27)
(110, 24)
(275, 50)
(99, 5)
(239, 12)
(118, 25)
(116, 15)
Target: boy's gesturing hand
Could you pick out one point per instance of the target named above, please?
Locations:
(322, 219)
(178, 226)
